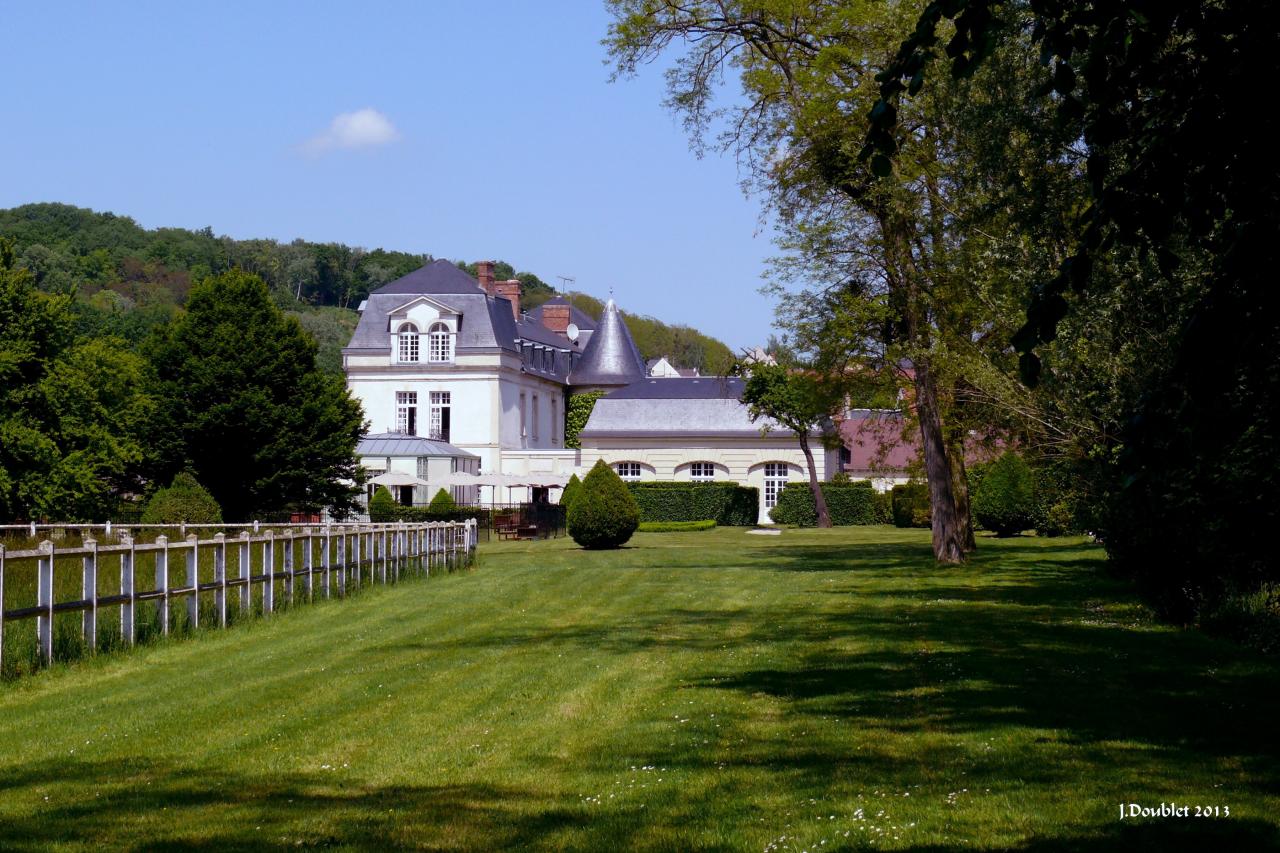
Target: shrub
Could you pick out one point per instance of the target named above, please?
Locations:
(1005, 499)
(676, 526)
(570, 492)
(910, 505)
(184, 501)
(604, 514)
(848, 503)
(1252, 619)
(884, 508)
(1056, 503)
(442, 502)
(728, 504)
(382, 507)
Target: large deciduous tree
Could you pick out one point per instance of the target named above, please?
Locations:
(247, 410)
(71, 411)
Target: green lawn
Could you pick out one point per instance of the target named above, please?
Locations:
(821, 690)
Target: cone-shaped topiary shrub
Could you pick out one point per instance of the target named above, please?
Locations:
(382, 507)
(570, 492)
(184, 500)
(442, 502)
(603, 513)
(1005, 498)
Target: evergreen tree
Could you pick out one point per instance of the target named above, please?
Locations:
(604, 514)
(247, 410)
(382, 507)
(184, 501)
(442, 502)
(571, 490)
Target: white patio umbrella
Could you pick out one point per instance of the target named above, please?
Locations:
(499, 481)
(546, 479)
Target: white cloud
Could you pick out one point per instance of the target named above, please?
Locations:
(366, 128)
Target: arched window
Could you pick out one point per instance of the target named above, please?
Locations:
(702, 472)
(775, 480)
(408, 343)
(439, 343)
(629, 471)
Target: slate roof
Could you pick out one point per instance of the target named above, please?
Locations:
(709, 406)
(610, 357)
(486, 322)
(400, 444)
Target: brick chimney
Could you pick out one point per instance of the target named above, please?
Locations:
(510, 291)
(556, 318)
(484, 272)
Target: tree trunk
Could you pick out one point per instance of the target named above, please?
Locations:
(948, 532)
(819, 500)
(960, 488)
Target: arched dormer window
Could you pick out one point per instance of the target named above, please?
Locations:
(408, 343)
(439, 343)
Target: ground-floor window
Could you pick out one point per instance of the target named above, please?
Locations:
(628, 470)
(440, 408)
(702, 472)
(775, 480)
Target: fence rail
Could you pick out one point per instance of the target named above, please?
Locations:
(294, 562)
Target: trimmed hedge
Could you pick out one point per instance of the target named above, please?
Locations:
(604, 514)
(911, 505)
(728, 504)
(848, 503)
(382, 507)
(676, 526)
(184, 500)
(442, 502)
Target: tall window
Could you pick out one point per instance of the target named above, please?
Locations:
(554, 406)
(439, 343)
(536, 418)
(408, 343)
(702, 472)
(441, 403)
(629, 470)
(523, 416)
(407, 412)
(775, 479)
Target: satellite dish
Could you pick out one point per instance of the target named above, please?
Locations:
(571, 331)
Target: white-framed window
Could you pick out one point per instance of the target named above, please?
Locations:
(702, 472)
(535, 417)
(628, 471)
(775, 480)
(524, 416)
(407, 412)
(439, 343)
(408, 343)
(441, 408)
(554, 406)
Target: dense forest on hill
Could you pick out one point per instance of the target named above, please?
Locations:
(128, 280)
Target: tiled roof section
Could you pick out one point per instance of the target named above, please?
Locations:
(709, 406)
(699, 388)
(577, 316)
(400, 444)
(611, 357)
(436, 277)
(875, 441)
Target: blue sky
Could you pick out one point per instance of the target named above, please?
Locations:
(467, 130)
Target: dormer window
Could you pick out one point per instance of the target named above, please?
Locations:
(408, 343)
(439, 343)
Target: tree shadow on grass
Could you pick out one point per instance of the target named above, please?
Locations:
(150, 805)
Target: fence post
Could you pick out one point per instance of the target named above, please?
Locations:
(307, 568)
(324, 559)
(340, 559)
(220, 577)
(44, 600)
(89, 588)
(286, 546)
(128, 589)
(193, 581)
(244, 560)
(1, 608)
(162, 583)
(268, 569)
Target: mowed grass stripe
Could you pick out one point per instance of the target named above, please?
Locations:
(696, 691)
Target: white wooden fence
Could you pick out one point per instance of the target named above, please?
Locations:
(296, 563)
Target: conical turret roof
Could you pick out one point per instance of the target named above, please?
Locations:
(611, 357)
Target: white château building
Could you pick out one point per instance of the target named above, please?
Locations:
(447, 358)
